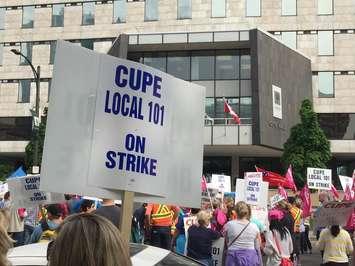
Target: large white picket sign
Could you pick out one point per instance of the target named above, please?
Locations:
(25, 192)
(217, 251)
(116, 125)
(240, 194)
(346, 181)
(221, 182)
(253, 181)
(318, 178)
(334, 213)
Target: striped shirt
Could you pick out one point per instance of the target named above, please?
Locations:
(335, 248)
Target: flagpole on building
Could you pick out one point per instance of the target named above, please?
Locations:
(225, 117)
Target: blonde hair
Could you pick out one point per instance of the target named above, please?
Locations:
(5, 241)
(242, 210)
(90, 240)
(203, 218)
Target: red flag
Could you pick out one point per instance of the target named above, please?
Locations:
(347, 193)
(334, 192)
(306, 201)
(289, 178)
(228, 109)
(203, 184)
(274, 179)
(282, 192)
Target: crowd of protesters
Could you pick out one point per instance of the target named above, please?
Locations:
(84, 225)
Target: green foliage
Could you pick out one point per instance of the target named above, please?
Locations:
(307, 145)
(37, 134)
(5, 170)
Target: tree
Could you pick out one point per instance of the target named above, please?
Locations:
(38, 134)
(307, 145)
(5, 170)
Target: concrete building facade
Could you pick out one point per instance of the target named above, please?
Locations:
(321, 30)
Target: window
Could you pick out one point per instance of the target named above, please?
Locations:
(233, 102)
(53, 46)
(218, 8)
(325, 84)
(253, 8)
(24, 91)
(289, 8)
(209, 106)
(27, 16)
(2, 18)
(58, 15)
(1, 52)
(245, 67)
(325, 43)
(15, 128)
(184, 9)
(151, 10)
(26, 50)
(227, 65)
(202, 66)
(89, 44)
(119, 11)
(289, 38)
(88, 13)
(325, 7)
(155, 60)
(338, 125)
(179, 65)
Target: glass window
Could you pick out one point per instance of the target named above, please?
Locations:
(2, 18)
(325, 84)
(24, 91)
(136, 57)
(27, 16)
(245, 66)
(15, 128)
(227, 65)
(233, 102)
(289, 38)
(218, 8)
(179, 65)
(26, 50)
(157, 60)
(88, 17)
(89, 44)
(289, 8)
(253, 8)
(209, 107)
(202, 66)
(58, 15)
(151, 10)
(338, 125)
(325, 43)
(1, 52)
(53, 46)
(184, 9)
(245, 88)
(227, 88)
(245, 107)
(119, 11)
(325, 7)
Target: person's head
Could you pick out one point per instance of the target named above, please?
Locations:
(87, 206)
(54, 212)
(284, 205)
(88, 239)
(242, 210)
(194, 211)
(203, 218)
(324, 197)
(5, 241)
(7, 195)
(216, 203)
(335, 230)
(277, 222)
(108, 202)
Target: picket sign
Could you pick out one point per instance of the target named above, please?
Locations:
(346, 181)
(208, 196)
(221, 182)
(4, 187)
(241, 192)
(253, 182)
(275, 199)
(217, 251)
(334, 213)
(26, 193)
(318, 178)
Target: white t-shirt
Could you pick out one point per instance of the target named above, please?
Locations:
(247, 240)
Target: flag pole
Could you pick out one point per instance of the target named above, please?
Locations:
(225, 117)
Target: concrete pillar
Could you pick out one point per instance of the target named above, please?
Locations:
(234, 170)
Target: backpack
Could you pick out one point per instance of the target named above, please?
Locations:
(48, 234)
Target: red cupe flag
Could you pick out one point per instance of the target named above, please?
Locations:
(282, 192)
(289, 178)
(274, 179)
(347, 194)
(334, 191)
(203, 184)
(228, 109)
(306, 201)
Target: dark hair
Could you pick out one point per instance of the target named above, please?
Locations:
(291, 200)
(279, 226)
(335, 230)
(7, 195)
(194, 210)
(54, 210)
(86, 204)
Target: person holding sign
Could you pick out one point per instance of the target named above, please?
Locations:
(242, 239)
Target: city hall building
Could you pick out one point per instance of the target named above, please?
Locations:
(263, 56)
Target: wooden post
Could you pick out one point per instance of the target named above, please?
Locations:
(126, 215)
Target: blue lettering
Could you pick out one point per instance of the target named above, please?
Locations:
(120, 82)
(110, 155)
(135, 81)
(130, 162)
(129, 143)
(147, 81)
(153, 167)
(125, 110)
(116, 103)
(121, 156)
(107, 100)
(157, 86)
(144, 165)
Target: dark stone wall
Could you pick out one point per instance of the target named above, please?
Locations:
(275, 64)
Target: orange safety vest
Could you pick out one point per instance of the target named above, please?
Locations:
(162, 215)
(296, 215)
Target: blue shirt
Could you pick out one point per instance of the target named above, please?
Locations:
(37, 232)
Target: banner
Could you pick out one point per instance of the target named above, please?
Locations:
(25, 192)
(318, 178)
(275, 199)
(240, 194)
(221, 182)
(253, 182)
(334, 213)
(217, 251)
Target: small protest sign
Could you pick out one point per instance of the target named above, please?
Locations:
(221, 182)
(25, 192)
(241, 192)
(275, 199)
(318, 178)
(207, 197)
(4, 188)
(334, 213)
(253, 187)
(346, 181)
(217, 251)
(260, 214)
